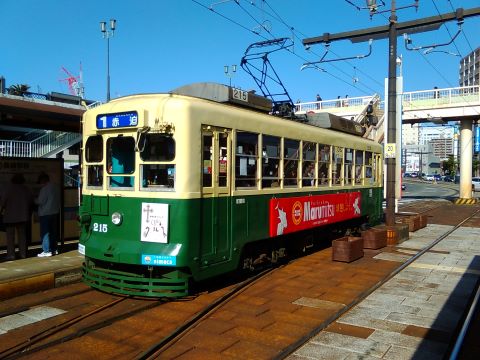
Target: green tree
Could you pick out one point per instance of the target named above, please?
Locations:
(18, 89)
(449, 166)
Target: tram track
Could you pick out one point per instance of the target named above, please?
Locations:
(53, 335)
(157, 349)
(176, 323)
(293, 347)
(58, 333)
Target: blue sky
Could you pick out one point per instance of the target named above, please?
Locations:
(163, 44)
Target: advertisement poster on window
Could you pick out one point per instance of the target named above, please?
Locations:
(288, 215)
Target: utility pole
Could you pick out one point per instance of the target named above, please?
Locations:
(392, 113)
(381, 32)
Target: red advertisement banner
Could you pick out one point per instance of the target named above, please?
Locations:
(288, 215)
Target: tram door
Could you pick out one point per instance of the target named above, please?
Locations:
(215, 208)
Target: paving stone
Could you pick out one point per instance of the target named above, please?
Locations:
(404, 293)
(392, 305)
(364, 321)
(382, 296)
(402, 353)
(351, 330)
(249, 350)
(319, 351)
(392, 257)
(409, 319)
(427, 333)
(392, 338)
(350, 343)
(260, 337)
(380, 313)
(317, 303)
(356, 356)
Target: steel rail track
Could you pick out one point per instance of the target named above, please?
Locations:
(23, 348)
(292, 348)
(43, 301)
(169, 340)
(26, 348)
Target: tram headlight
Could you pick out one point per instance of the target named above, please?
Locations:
(117, 218)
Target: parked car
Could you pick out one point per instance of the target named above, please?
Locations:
(449, 178)
(476, 184)
(437, 177)
(429, 177)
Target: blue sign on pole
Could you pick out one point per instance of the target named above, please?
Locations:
(476, 145)
(118, 120)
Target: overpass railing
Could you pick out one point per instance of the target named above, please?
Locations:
(338, 104)
(51, 142)
(435, 98)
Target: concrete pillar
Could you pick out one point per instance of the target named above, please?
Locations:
(466, 159)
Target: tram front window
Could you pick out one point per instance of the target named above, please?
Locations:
(121, 160)
(157, 147)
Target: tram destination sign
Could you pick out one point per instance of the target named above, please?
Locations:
(117, 120)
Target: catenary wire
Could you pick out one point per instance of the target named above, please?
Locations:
(463, 32)
(278, 18)
(448, 30)
(265, 38)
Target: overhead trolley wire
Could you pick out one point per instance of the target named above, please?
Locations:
(265, 38)
(294, 30)
(464, 35)
(448, 30)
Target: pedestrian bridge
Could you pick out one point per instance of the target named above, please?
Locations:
(435, 105)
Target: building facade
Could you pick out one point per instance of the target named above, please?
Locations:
(470, 69)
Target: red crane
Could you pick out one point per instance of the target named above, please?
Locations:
(75, 83)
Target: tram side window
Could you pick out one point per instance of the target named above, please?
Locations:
(94, 153)
(376, 168)
(358, 167)
(348, 168)
(270, 161)
(157, 147)
(308, 167)
(207, 158)
(337, 165)
(246, 159)
(323, 164)
(121, 160)
(369, 167)
(291, 159)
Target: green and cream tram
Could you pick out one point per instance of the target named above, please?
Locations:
(178, 188)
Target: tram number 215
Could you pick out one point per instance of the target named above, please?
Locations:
(103, 228)
(240, 95)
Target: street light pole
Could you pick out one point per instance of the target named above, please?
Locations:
(107, 34)
(229, 73)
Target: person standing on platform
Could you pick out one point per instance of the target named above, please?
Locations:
(16, 205)
(319, 99)
(48, 202)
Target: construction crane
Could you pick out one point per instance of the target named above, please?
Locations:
(75, 83)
